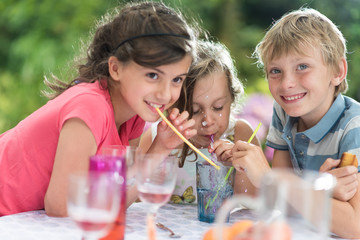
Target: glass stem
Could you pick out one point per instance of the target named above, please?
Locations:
(150, 222)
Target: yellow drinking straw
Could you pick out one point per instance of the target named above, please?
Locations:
(185, 140)
(230, 170)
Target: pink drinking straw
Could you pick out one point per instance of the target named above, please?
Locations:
(211, 201)
(213, 158)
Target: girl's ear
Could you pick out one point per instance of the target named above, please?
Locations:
(114, 68)
(341, 74)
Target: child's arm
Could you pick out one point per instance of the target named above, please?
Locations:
(345, 220)
(75, 146)
(146, 140)
(281, 159)
(250, 159)
(346, 199)
(346, 178)
(243, 132)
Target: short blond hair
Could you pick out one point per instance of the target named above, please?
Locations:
(303, 27)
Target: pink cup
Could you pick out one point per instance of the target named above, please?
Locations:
(115, 163)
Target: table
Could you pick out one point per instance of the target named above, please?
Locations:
(182, 219)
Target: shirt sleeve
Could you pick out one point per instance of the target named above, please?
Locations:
(274, 138)
(350, 141)
(93, 109)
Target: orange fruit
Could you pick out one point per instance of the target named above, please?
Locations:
(239, 227)
(210, 234)
(278, 231)
(229, 233)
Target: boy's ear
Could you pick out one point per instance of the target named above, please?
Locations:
(341, 74)
(115, 67)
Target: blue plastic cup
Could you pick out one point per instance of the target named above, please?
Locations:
(212, 189)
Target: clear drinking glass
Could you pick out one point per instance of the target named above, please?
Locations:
(212, 188)
(93, 202)
(130, 153)
(155, 181)
(289, 206)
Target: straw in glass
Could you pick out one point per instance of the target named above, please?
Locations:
(211, 201)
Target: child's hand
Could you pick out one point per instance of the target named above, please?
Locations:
(223, 150)
(167, 138)
(346, 177)
(251, 159)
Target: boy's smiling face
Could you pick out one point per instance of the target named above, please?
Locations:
(302, 85)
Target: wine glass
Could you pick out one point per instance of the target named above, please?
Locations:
(130, 153)
(93, 202)
(155, 181)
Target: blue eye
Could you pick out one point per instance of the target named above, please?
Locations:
(274, 71)
(302, 67)
(153, 75)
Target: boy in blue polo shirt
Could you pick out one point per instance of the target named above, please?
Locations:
(303, 56)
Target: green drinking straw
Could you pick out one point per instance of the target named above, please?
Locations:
(230, 171)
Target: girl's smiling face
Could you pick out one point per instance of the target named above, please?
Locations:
(211, 107)
(141, 89)
(302, 85)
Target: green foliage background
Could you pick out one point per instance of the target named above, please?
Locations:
(41, 37)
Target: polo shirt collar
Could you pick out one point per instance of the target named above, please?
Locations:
(319, 131)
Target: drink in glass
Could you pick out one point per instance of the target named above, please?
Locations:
(93, 202)
(212, 189)
(114, 163)
(155, 181)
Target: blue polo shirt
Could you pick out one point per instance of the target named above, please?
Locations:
(337, 132)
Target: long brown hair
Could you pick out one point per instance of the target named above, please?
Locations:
(144, 19)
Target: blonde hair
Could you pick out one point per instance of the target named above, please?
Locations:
(303, 27)
(212, 57)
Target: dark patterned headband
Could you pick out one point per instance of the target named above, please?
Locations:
(151, 35)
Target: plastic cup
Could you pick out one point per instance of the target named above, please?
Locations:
(212, 189)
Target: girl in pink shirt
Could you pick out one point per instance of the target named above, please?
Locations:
(136, 61)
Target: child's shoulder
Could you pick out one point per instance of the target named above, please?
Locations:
(242, 123)
(85, 89)
(344, 114)
(351, 110)
(351, 105)
(84, 97)
(242, 130)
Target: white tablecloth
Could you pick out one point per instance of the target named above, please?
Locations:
(182, 219)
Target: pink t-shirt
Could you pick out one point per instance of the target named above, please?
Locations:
(27, 151)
